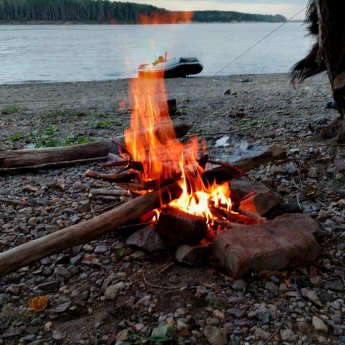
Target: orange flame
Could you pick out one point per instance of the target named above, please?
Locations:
(166, 18)
(151, 140)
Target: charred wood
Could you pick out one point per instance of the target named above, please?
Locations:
(177, 226)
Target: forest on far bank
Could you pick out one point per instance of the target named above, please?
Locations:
(108, 12)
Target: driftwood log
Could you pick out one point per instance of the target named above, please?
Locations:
(32, 251)
(19, 160)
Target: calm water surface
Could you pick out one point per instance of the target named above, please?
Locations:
(47, 53)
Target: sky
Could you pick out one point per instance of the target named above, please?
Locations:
(287, 8)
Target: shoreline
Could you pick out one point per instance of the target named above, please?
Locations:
(34, 82)
(95, 109)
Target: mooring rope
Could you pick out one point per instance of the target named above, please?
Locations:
(258, 42)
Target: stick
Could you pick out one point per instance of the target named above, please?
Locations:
(122, 176)
(273, 152)
(116, 192)
(71, 236)
(52, 165)
(49, 157)
(128, 164)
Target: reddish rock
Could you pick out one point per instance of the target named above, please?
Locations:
(260, 203)
(285, 241)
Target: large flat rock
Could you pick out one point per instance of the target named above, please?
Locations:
(287, 240)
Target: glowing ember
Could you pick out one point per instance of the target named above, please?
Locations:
(151, 140)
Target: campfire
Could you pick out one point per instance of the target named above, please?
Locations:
(154, 157)
(172, 192)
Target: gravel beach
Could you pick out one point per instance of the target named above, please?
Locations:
(106, 291)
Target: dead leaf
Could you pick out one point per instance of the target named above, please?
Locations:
(38, 303)
(310, 190)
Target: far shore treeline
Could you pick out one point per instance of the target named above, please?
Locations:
(107, 12)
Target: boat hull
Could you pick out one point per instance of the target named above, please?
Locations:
(180, 69)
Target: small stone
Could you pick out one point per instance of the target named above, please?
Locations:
(62, 273)
(100, 249)
(334, 285)
(58, 335)
(11, 332)
(75, 260)
(236, 313)
(26, 210)
(148, 239)
(287, 335)
(319, 325)
(50, 228)
(48, 326)
(138, 255)
(62, 307)
(212, 321)
(271, 287)
(182, 329)
(75, 219)
(30, 338)
(215, 335)
(227, 92)
(325, 297)
(239, 285)
(13, 289)
(112, 290)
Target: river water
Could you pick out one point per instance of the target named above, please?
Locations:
(59, 53)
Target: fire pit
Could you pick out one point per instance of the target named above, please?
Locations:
(185, 203)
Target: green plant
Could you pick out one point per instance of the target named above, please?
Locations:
(15, 137)
(107, 124)
(120, 253)
(135, 339)
(10, 109)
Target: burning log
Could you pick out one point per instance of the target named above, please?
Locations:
(177, 226)
(273, 152)
(32, 251)
(42, 158)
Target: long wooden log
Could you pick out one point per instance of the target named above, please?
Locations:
(32, 251)
(50, 157)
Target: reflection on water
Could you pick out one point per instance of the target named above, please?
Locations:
(103, 52)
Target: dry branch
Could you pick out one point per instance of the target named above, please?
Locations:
(17, 160)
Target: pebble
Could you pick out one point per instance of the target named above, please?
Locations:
(62, 307)
(334, 285)
(319, 325)
(287, 335)
(100, 249)
(112, 291)
(239, 285)
(215, 335)
(58, 335)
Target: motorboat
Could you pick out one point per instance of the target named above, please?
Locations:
(173, 68)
